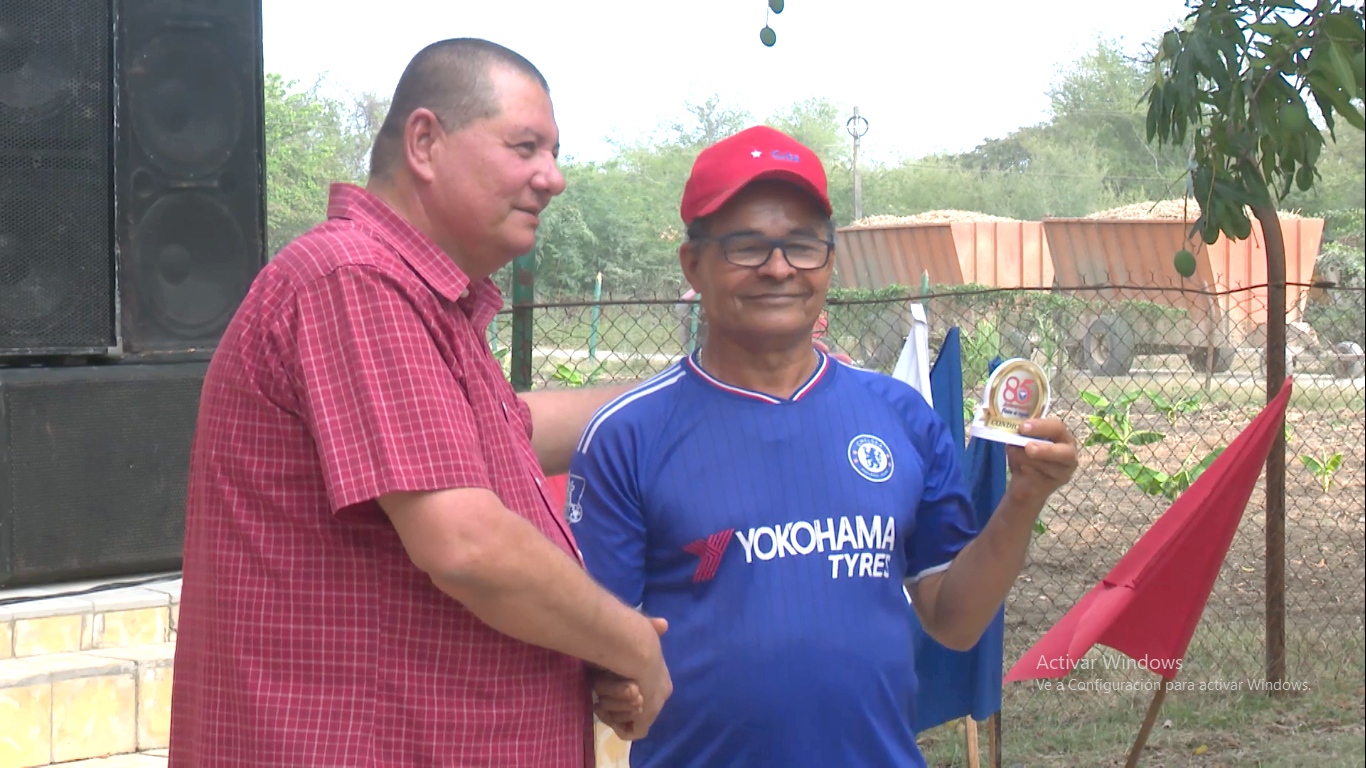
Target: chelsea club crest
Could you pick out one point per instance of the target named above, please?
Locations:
(871, 458)
(573, 499)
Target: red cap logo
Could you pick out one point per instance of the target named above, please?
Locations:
(730, 165)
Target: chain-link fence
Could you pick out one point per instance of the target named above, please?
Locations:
(1153, 382)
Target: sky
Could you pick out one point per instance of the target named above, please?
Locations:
(928, 77)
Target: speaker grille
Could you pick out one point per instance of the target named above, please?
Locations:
(56, 283)
(98, 466)
(191, 228)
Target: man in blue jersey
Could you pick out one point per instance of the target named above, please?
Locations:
(768, 501)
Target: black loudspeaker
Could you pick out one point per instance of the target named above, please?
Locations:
(94, 462)
(189, 169)
(56, 254)
(132, 208)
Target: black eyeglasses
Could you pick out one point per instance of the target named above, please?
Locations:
(754, 251)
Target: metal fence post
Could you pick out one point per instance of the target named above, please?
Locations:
(523, 295)
(692, 324)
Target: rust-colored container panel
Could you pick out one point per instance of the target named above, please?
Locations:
(1140, 252)
(1005, 254)
(1241, 263)
(1131, 252)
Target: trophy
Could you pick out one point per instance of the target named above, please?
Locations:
(1016, 392)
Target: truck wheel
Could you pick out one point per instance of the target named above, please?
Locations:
(1199, 360)
(1109, 346)
(1348, 361)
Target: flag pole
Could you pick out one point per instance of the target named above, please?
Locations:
(1153, 708)
(994, 738)
(970, 731)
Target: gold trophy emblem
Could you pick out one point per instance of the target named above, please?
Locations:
(1016, 392)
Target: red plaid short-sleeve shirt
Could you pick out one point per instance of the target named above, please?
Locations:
(357, 366)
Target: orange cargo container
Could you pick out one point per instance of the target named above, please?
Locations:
(1003, 254)
(1140, 251)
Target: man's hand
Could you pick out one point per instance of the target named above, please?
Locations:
(1039, 469)
(626, 706)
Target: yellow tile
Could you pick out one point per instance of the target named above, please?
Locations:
(6, 640)
(54, 634)
(93, 716)
(612, 752)
(26, 726)
(120, 761)
(118, 629)
(154, 708)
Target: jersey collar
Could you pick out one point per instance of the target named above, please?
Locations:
(822, 366)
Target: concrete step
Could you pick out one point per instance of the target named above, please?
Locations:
(63, 707)
(154, 759)
(38, 622)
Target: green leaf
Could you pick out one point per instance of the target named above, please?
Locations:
(1334, 462)
(1342, 67)
(1154, 110)
(1128, 399)
(1109, 433)
(1313, 464)
(1171, 44)
(1145, 438)
(1148, 480)
(1159, 401)
(1094, 400)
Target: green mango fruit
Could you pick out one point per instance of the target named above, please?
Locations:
(1185, 263)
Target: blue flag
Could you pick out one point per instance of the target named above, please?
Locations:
(958, 683)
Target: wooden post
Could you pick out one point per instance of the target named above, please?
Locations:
(1153, 709)
(994, 739)
(974, 756)
(1275, 460)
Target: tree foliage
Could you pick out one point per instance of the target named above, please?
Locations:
(311, 141)
(1244, 81)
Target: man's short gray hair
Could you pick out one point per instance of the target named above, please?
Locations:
(451, 78)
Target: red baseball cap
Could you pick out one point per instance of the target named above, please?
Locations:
(731, 164)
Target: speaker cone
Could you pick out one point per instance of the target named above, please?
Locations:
(185, 104)
(36, 78)
(46, 278)
(192, 267)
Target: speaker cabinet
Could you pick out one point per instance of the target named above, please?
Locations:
(189, 178)
(94, 464)
(56, 265)
(132, 207)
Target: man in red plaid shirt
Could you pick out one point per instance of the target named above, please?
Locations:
(372, 573)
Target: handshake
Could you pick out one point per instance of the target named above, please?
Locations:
(629, 705)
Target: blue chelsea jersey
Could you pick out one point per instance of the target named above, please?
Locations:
(774, 535)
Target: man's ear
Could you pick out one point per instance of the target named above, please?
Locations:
(420, 134)
(689, 258)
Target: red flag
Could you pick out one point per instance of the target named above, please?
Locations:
(1148, 606)
(555, 488)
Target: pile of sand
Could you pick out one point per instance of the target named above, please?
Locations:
(947, 216)
(1177, 210)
